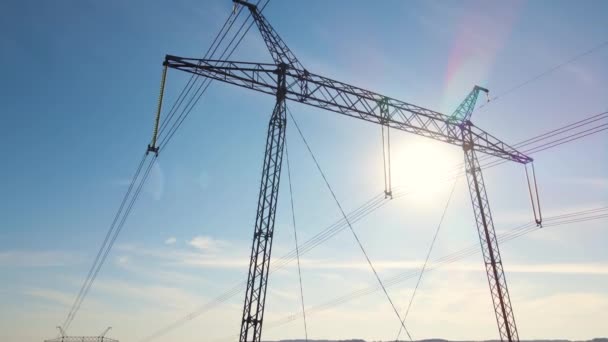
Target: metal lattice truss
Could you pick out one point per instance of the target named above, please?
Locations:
(255, 297)
(501, 299)
(287, 79)
(322, 92)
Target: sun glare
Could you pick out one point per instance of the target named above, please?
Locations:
(423, 169)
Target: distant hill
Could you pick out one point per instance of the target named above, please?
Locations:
(442, 340)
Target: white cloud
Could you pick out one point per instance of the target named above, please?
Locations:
(170, 241)
(210, 253)
(122, 260)
(154, 295)
(207, 243)
(214, 262)
(555, 268)
(223, 261)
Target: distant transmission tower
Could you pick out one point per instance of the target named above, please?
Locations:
(64, 338)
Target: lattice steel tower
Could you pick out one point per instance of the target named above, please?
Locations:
(287, 79)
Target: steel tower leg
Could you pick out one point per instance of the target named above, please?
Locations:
(257, 280)
(489, 244)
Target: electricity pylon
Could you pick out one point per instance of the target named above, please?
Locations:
(287, 79)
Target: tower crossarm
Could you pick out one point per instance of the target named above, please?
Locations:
(465, 109)
(343, 98)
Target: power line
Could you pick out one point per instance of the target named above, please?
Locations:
(114, 237)
(362, 211)
(568, 127)
(207, 81)
(443, 261)
(71, 313)
(428, 255)
(598, 128)
(281, 263)
(551, 133)
(194, 77)
(545, 73)
(333, 194)
(114, 229)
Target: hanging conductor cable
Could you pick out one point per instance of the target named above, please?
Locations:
(123, 212)
(118, 222)
(125, 207)
(545, 73)
(371, 265)
(511, 234)
(205, 83)
(295, 235)
(193, 79)
(426, 260)
(103, 246)
(370, 206)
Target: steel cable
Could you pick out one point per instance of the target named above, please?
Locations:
(368, 207)
(426, 260)
(295, 236)
(107, 243)
(352, 230)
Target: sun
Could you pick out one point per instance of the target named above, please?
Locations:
(422, 168)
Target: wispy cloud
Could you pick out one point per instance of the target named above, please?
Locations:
(55, 296)
(122, 260)
(160, 275)
(23, 258)
(209, 253)
(549, 268)
(232, 262)
(207, 243)
(170, 241)
(595, 182)
(165, 296)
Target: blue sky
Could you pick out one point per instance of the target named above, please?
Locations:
(79, 89)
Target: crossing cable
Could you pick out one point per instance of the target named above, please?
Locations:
(370, 206)
(443, 261)
(371, 265)
(71, 314)
(295, 235)
(207, 81)
(545, 73)
(555, 132)
(568, 127)
(428, 255)
(362, 211)
(373, 204)
(356, 215)
(448, 259)
(92, 274)
(557, 142)
(598, 128)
